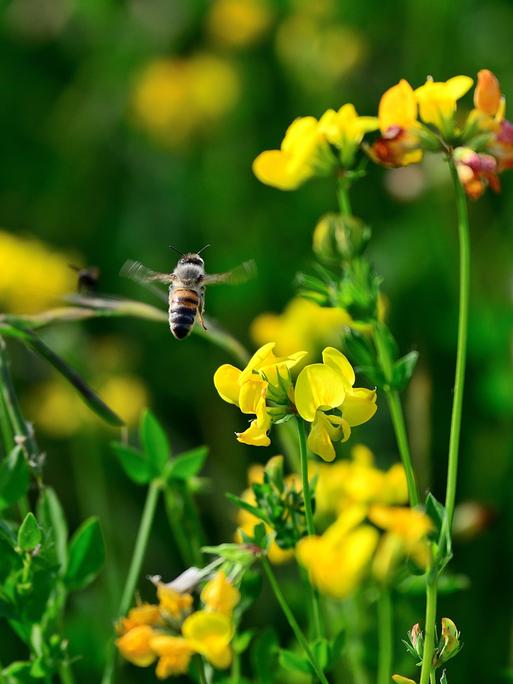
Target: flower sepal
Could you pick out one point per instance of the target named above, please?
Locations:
(339, 238)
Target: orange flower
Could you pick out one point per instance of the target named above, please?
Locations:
(487, 95)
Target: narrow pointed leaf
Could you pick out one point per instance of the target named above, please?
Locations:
(86, 555)
(29, 534)
(14, 478)
(187, 465)
(135, 463)
(155, 443)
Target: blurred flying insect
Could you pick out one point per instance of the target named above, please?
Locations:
(87, 278)
(187, 287)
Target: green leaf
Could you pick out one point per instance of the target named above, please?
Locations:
(29, 534)
(337, 647)
(443, 678)
(322, 652)
(242, 640)
(403, 370)
(53, 521)
(134, 462)
(155, 443)
(257, 512)
(263, 656)
(187, 465)
(14, 478)
(293, 662)
(86, 555)
(18, 672)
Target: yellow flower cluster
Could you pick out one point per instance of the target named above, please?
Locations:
(33, 277)
(372, 531)
(246, 521)
(179, 99)
(410, 121)
(324, 396)
(170, 632)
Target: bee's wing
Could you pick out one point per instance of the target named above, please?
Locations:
(145, 276)
(238, 275)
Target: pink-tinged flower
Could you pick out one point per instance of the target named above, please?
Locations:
(476, 171)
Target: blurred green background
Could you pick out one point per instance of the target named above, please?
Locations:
(127, 126)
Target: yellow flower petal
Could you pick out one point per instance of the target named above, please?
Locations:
(359, 405)
(175, 655)
(271, 168)
(226, 381)
(219, 594)
(262, 357)
(251, 392)
(255, 435)
(134, 646)
(397, 107)
(335, 359)
(457, 86)
(321, 437)
(210, 634)
(318, 387)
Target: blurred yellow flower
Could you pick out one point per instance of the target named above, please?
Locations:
(33, 277)
(144, 614)
(397, 117)
(345, 129)
(172, 602)
(135, 647)
(437, 101)
(210, 634)
(179, 99)
(315, 48)
(322, 387)
(342, 484)
(219, 594)
(238, 23)
(399, 679)
(265, 375)
(302, 325)
(338, 560)
(406, 531)
(174, 655)
(57, 409)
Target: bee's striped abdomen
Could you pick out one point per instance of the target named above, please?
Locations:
(183, 306)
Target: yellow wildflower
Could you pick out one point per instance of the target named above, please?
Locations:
(338, 560)
(172, 602)
(437, 101)
(238, 23)
(304, 153)
(406, 535)
(322, 387)
(345, 129)
(302, 325)
(397, 118)
(179, 99)
(174, 655)
(33, 276)
(210, 634)
(219, 594)
(248, 389)
(342, 484)
(399, 679)
(135, 647)
(144, 614)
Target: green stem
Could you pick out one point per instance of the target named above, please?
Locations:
(397, 416)
(66, 674)
(174, 511)
(292, 621)
(344, 201)
(385, 628)
(310, 526)
(429, 631)
(134, 571)
(200, 670)
(461, 353)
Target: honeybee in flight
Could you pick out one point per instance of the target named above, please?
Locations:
(187, 287)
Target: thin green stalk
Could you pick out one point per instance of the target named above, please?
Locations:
(310, 526)
(66, 674)
(197, 536)
(385, 628)
(292, 621)
(344, 202)
(200, 669)
(429, 631)
(461, 353)
(134, 571)
(397, 415)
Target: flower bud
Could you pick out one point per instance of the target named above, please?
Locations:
(274, 470)
(449, 644)
(416, 638)
(339, 238)
(487, 95)
(403, 680)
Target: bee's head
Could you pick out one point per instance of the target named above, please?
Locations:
(191, 258)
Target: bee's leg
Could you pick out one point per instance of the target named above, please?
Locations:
(201, 309)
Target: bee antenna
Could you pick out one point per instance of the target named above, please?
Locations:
(74, 268)
(176, 250)
(202, 249)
